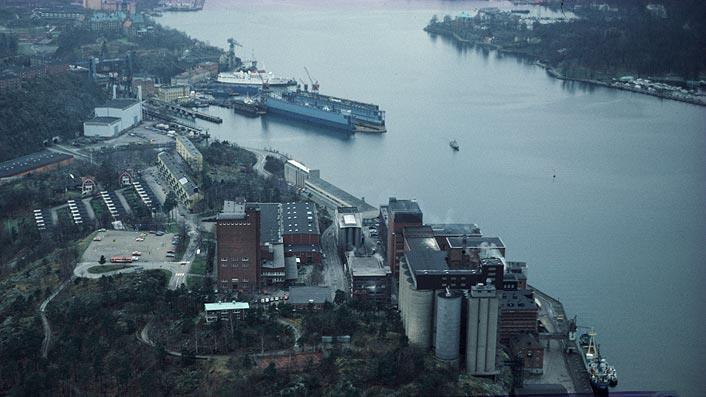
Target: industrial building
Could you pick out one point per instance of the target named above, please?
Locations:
(482, 331)
(107, 127)
(395, 216)
(191, 155)
(238, 248)
(370, 279)
(116, 116)
(349, 228)
(35, 163)
(225, 311)
(518, 314)
(309, 182)
(174, 172)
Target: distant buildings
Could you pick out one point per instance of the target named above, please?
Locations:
(191, 155)
(35, 163)
(179, 180)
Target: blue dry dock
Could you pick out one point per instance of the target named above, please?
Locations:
(344, 114)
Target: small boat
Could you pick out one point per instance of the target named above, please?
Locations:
(454, 145)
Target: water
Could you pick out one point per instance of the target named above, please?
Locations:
(618, 236)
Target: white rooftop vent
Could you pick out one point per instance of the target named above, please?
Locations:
(183, 181)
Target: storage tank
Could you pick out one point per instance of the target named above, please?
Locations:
(290, 268)
(419, 318)
(448, 325)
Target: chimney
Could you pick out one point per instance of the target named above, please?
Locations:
(139, 93)
(115, 91)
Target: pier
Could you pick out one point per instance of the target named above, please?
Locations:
(174, 108)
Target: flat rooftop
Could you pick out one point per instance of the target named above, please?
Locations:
(305, 295)
(30, 162)
(104, 120)
(367, 266)
(517, 300)
(299, 218)
(475, 242)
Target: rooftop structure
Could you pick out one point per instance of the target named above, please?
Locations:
(303, 296)
(370, 279)
(33, 163)
(299, 218)
(349, 228)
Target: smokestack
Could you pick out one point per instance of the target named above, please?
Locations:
(115, 91)
(139, 93)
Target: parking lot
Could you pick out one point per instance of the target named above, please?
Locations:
(122, 243)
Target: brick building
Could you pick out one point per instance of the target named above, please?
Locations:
(238, 248)
(397, 215)
(527, 348)
(518, 314)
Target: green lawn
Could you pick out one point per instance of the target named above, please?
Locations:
(107, 268)
(198, 266)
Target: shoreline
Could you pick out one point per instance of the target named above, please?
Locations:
(551, 71)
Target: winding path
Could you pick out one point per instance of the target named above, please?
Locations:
(45, 320)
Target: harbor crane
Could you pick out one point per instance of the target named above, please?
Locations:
(314, 85)
(232, 43)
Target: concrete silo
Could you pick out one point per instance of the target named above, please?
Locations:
(448, 326)
(419, 317)
(482, 330)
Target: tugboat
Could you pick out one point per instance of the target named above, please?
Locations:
(602, 374)
(454, 145)
(249, 107)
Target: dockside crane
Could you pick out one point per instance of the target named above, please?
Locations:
(314, 85)
(232, 43)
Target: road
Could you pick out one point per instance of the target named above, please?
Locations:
(175, 268)
(261, 155)
(46, 342)
(333, 274)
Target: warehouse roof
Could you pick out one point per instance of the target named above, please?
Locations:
(517, 300)
(103, 120)
(299, 218)
(339, 194)
(30, 162)
(120, 103)
(270, 221)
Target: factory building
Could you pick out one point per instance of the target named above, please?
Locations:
(370, 280)
(174, 172)
(129, 111)
(349, 228)
(191, 155)
(518, 314)
(397, 215)
(300, 232)
(238, 248)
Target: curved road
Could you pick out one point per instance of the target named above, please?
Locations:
(333, 274)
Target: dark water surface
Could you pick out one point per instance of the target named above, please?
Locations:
(620, 235)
